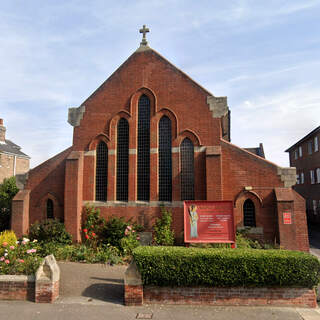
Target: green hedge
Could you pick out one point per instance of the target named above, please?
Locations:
(179, 266)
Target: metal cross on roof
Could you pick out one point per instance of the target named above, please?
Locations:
(144, 30)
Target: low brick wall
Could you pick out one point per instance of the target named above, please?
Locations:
(136, 294)
(17, 287)
(295, 297)
(43, 287)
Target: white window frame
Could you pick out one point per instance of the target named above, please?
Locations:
(314, 206)
(318, 175)
(316, 144)
(309, 147)
(302, 177)
(300, 151)
(298, 178)
(312, 177)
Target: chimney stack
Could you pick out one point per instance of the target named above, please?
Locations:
(2, 131)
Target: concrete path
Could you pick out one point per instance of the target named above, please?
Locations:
(97, 310)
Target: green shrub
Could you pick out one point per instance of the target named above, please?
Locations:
(113, 231)
(163, 235)
(8, 190)
(50, 231)
(130, 241)
(7, 238)
(178, 266)
(93, 226)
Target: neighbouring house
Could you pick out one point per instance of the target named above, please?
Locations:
(152, 136)
(305, 156)
(12, 160)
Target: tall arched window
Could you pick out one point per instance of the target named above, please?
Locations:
(187, 169)
(102, 172)
(144, 148)
(50, 214)
(122, 160)
(249, 215)
(165, 161)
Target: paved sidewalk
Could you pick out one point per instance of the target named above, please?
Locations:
(97, 310)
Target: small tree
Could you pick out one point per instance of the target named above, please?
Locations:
(8, 189)
(163, 235)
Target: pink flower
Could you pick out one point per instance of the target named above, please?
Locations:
(129, 227)
(21, 260)
(31, 251)
(7, 261)
(11, 247)
(4, 244)
(2, 259)
(126, 232)
(138, 238)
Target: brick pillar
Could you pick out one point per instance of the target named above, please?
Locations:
(133, 288)
(20, 213)
(73, 194)
(292, 224)
(47, 281)
(89, 175)
(214, 173)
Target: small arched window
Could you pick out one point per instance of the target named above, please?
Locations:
(101, 172)
(165, 160)
(50, 209)
(122, 160)
(249, 215)
(187, 169)
(144, 148)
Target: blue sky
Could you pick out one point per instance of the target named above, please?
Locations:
(263, 55)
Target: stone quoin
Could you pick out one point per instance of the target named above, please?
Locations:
(150, 135)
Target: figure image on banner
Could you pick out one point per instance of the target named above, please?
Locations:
(193, 221)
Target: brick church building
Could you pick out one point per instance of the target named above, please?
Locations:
(150, 135)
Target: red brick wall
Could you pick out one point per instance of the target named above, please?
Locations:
(19, 289)
(289, 297)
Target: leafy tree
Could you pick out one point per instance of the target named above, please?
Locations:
(8, 189)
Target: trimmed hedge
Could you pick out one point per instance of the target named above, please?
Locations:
(179, 266)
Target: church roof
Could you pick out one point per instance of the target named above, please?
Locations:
(11, 148)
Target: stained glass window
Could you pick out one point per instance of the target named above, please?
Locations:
(165, 160)
(122, 160)
(102, 172)
(50, 214)
(144, 148)
(249, 216)
(187, 169)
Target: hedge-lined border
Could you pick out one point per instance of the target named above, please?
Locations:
(179, 266)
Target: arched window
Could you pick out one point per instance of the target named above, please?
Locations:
(187, 169)
(122, 160)
(50, 214)
(165, 161)
(102, 172)
(144, 148)
(249, 215)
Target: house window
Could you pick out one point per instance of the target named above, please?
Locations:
(309, 147)
(298, 179)
(187, 169)
(144, 148)
(101, 172)
(316, 145)
(302, 178)
(249, 216)
(314, 206)
(50, 214)
(122, 159)
(295, 154)
(165, 160)
(300, 151)
(312, 177)
(318, 175)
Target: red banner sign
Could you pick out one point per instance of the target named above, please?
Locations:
(287, 218)
(209, 221)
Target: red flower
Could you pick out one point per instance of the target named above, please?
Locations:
(85, 230)
(93, 234)
(87, 237)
